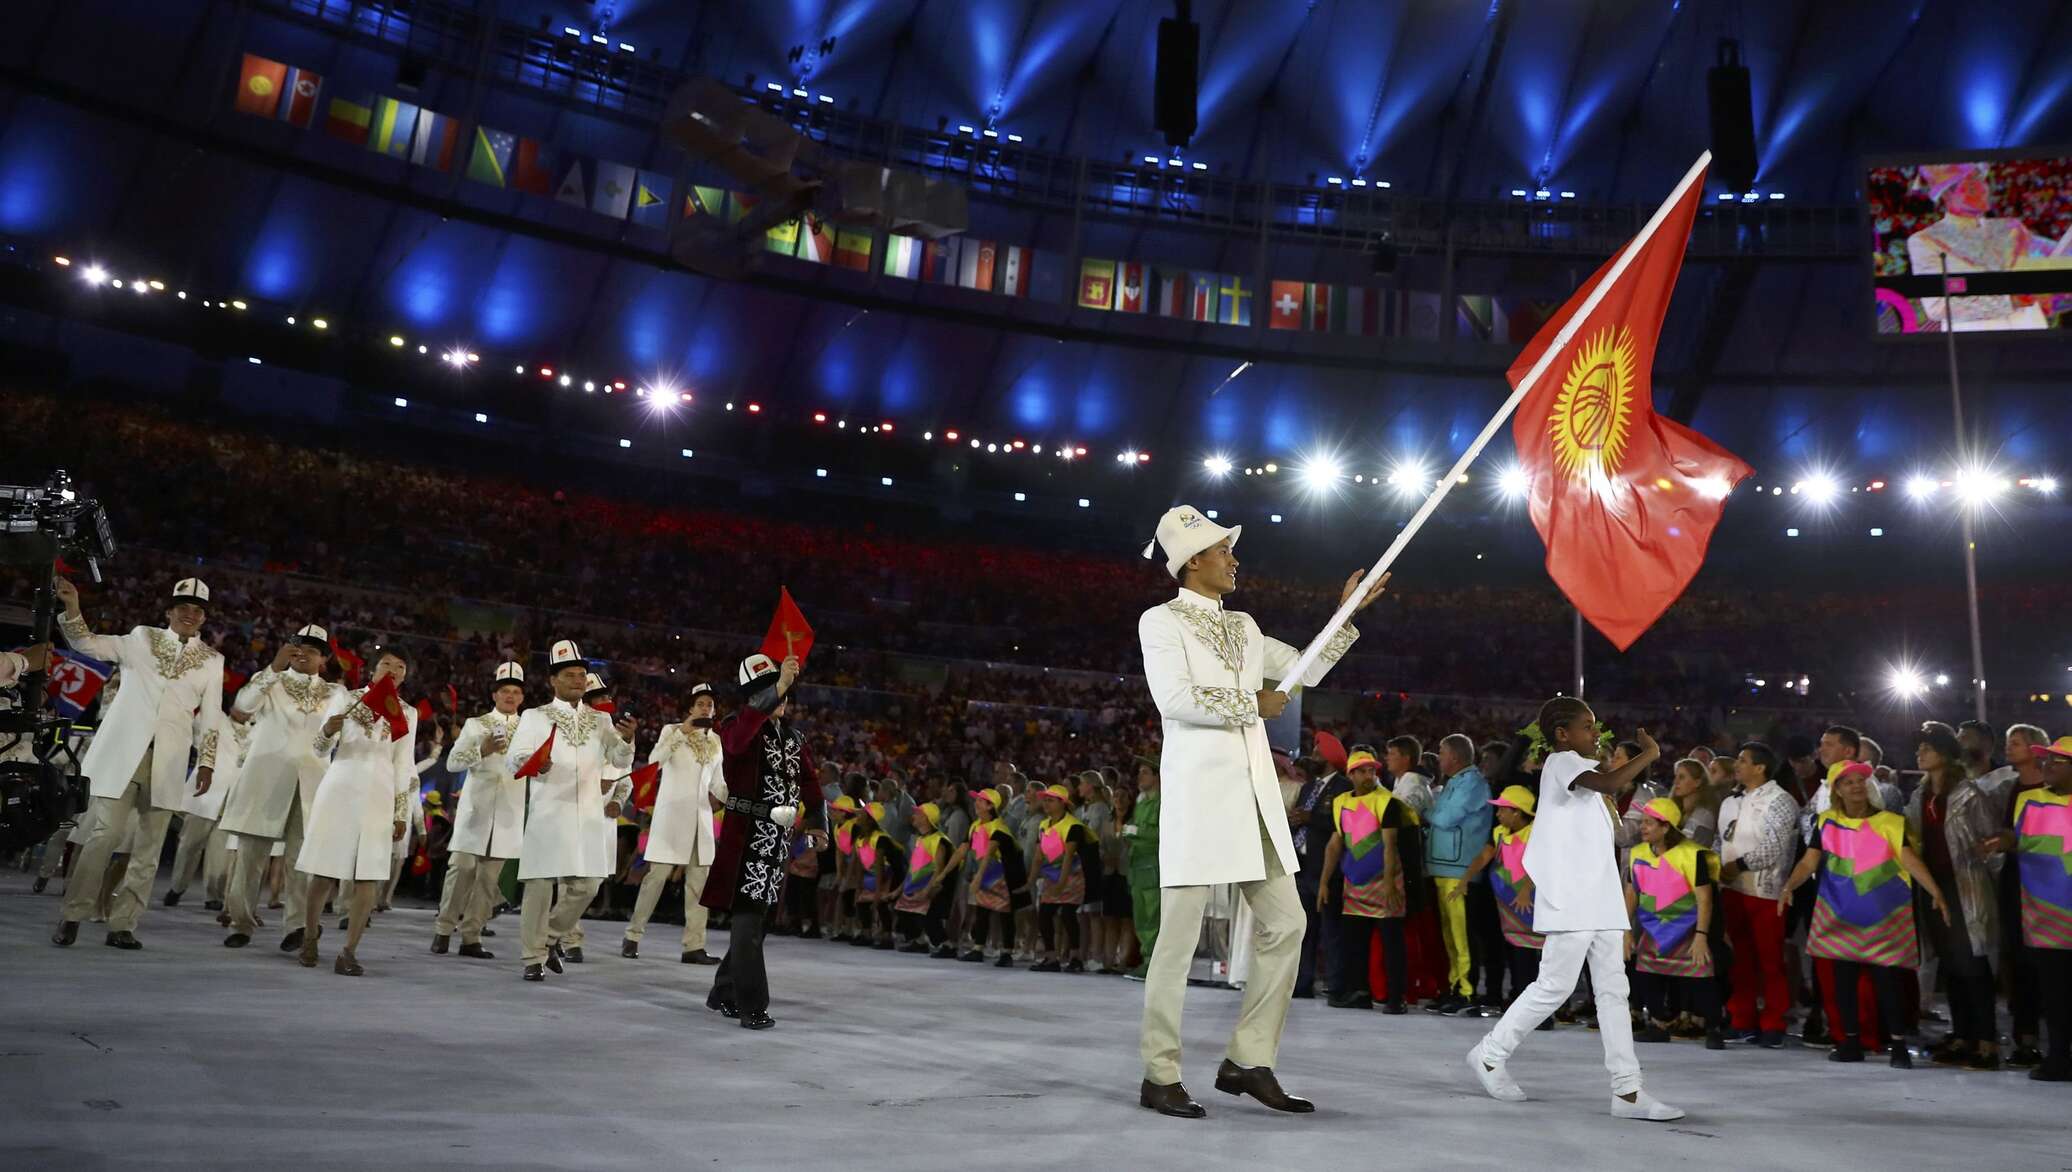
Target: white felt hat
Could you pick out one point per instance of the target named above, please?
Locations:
(509, 672)
(566, 654)
(591, 683)
(315, 636)
(1184, 532)
(191, 590)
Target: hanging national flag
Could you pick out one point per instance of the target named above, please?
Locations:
(489, 160)
(1172, 293)
(540, 759)
(349, 120)
(1285, 304)
(394, 124)
(1014, 265)
(789, 633)
(613, 194)
(1129, 287)
(1363, 311)
(532, 167)
(298, 104)
(853, 250)
(704, 201)
(739, 204)
(259, 86)
(1326, 308)
(782, 239)
(651, 199)
(1201, 298)
(381, 699)
(1234, 302)
(349, 664)
(74, 680)
(1422, 316)
(1625, 500)
(647, 782)
(1477, 316)
(573, 189)
(436, 142)
(975, 265)
(939, 261)
(902, 257)
(1096, 284)
(816, 240)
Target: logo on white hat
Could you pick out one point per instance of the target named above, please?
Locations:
(591, 683)
(312, 631)
(510, 672)
(190, 590)
(566, 652)
(755, 667)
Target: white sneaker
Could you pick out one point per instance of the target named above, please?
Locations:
(1647, 1107)
(1497, 1083)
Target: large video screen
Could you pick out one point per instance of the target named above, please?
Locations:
(2002, 229)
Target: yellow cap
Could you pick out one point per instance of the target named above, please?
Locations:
(1359, 758)
(1666, 809)
(1517, 797)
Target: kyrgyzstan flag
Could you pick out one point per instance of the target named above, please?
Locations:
(382, 701)
(541, 758)
(348, 663)
(1625, 500)
(647, 780)
(790, 633)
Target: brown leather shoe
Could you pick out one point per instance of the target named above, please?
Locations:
(347, 965)
(1259, 1083)
(1170, 1100)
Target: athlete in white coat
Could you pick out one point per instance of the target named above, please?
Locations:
(680, 837)
(269, 812)
(490, 822)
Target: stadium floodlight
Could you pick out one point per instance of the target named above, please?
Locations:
(1408, 477)
(1319, 473)
(1907, 682)
(1976, 487)
(1217, 466)
(94, 275)
(1820, 488)
(2047, 485)
(1920, 488)
(1513, 483)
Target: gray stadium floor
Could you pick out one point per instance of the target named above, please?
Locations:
(187, 1054)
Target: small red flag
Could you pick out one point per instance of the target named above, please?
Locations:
(452, 700)
(424, 712)
(537, 763)
(790, 633)
(606, 706)
(382, 701)
(232, 681)
(1625, 500)
(647, 781)
(348, 663)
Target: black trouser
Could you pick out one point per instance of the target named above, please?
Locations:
(1699, 995)
(885, 917)
(741, 980)
(1355, 936)
(845, 908)
(1318, 930)
(980, 917)
(1969, 981)
(2023, 1004)
(1524, 964)
(2053, 968)
(1485, 943)
(1048, 916)
(801, 898)
(1888, 984)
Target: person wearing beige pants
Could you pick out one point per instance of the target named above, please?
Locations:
(469, 892)
(694, 913)
(547, 915)
(117, 819)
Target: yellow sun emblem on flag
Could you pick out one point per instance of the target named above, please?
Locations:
(260, 84)
(1594, 412)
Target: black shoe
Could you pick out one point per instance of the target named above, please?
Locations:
(1981, 1060)
(67, 933)
(1046, 966)
(812, 933)
(1170, 1100)
(1445, 1006)
(124, 941)
(861, 941)
(291, 941)
(945, 952)
(1546, 1026)
(1259, 1082)
(533, 973)
(172, 899)
(1651, 1033)
(697, 956)
(439, 944)
(488, 932)
(886, 946)
(2024, 1057)
(1903, 1059)
(723, 1008)
(782, 930)
(1355, 1001)
(913, 946)
(1815, 1036)
(630, 949)
(2052, 1070)
(212, 905)
(38, 886)
(476, 951)
(554, 958)
(1770, 1039)
(975, 956)
(1715, 1041)
(1304, 994)
(236, 940)
(1395, 1009)
(1006, 961)
(757, 1020)
(344, 922)
(1845, 1051)
(572, 955)
(1075, 966)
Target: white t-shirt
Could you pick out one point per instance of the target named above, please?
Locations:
(1573, 857)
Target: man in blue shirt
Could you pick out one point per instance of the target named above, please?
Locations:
(1456, 830)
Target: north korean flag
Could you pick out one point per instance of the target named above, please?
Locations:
(74, 681)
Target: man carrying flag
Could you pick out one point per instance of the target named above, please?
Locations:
(680, 838)
(490, 823)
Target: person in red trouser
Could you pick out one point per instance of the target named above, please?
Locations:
(1758, 839)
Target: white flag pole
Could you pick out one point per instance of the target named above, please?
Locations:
(1489, 430)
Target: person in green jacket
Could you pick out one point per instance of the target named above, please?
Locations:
(1140, 842)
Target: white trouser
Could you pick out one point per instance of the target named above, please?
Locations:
(1561, 962)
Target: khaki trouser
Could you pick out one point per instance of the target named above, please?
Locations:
(241, 897)
(199, 845)
(546, 917)
(54, 852)
(1276, 954)
(470, 891)
(693, 911)
(111, 830)
(1453, 929)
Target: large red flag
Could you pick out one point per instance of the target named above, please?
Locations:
(540, 759)
(1625, 500)
(381, 699)
(647, 781)
(790, 633)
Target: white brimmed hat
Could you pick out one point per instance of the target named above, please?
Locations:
(314, 636)
(566, 654)
(509, 672)
(1184, 532)
(756, 671)
(591, 683)
(192, 590)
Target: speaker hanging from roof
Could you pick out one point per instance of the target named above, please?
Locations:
(1174, 83)
(1733, 119)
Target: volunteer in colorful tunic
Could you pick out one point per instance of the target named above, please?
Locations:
(1222, 821)
(766, 763)
(564, 824)
(1670, 882)
(1504, 859)
(270, 807)
(490, 823)
(1864, 915)
(1363, 852)
(924, 901)
(137, 764)
(997, 876)
(362, 807)
(2041, 842)
(202, 845)
(680, 838)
